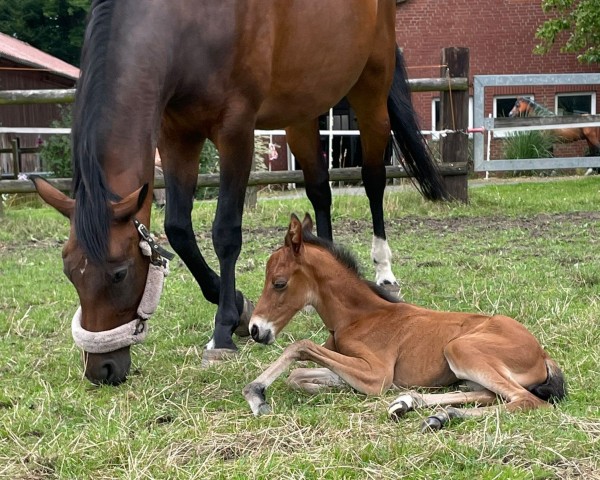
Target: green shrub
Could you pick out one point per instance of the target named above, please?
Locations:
(529, 144)
(55, 152)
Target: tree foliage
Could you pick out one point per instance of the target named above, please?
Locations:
(575, 25)
(54, 26)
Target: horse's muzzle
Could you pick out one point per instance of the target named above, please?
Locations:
(108, 368)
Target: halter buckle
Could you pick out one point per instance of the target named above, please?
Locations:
(159, 253)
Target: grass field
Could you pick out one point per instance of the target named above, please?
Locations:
(529, 250)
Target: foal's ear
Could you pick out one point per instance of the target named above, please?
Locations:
(293, 239)
(307, 223)
(130, 205)
(53, 197)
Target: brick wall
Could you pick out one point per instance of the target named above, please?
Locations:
(500, 38)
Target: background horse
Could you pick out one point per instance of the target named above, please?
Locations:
(526, 107)
(176, 73)
(375, 343)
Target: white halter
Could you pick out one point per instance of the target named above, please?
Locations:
(135, 331)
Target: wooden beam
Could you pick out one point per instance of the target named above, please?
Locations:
(24, 97)
(256, 178)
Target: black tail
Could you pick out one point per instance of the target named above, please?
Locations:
(554, 388)
(409, 145)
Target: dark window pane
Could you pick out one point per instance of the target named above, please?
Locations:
(574, 104)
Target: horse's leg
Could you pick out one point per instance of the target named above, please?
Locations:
(374, 125)
(235, 143)
(304, 143)
(366, 374)
(180, 166)
(592, 137)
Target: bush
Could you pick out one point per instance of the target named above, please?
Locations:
(55, 152)
(528, 144)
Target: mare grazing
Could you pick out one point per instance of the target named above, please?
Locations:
(526, 107)
(175, 73)
(377, 342)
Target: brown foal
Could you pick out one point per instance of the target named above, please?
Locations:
(376, 343)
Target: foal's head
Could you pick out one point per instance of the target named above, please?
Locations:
(287, 288)
(109, 289)
(296, 276)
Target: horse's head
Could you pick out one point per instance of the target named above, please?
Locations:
(522, 108)
(110, 290)
(287, 286)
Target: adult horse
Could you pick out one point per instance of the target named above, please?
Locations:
(176, 73)
(526, 107)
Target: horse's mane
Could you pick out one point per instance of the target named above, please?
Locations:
(92, 215)
(538, 109)
(347, 259)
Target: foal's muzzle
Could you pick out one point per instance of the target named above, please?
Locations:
(261, 331)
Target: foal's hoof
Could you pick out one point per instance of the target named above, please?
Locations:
(263, 409)
(217, 355)
(243, 329)
(397, 410)
(432, 424)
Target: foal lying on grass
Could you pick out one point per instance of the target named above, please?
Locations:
(376, 342)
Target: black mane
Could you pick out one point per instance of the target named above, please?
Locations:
(92, 215)
(347, 259)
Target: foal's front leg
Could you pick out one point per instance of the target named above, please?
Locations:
(366, 374)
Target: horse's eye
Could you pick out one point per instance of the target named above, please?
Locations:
(119, 275)
(279, 284)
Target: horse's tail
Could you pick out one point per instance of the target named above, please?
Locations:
(408, 142)
(554, 388)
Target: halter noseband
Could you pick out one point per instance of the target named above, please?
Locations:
(135, 331)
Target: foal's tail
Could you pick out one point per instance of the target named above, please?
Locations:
(554, 388)
(409, 145)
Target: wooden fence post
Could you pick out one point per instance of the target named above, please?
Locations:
(454, 110)
(16, 154)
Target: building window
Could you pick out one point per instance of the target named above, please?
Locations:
(436, 122)
(575, 103)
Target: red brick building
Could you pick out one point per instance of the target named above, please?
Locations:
(500, 36)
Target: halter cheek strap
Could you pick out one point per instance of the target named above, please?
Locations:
(136, 330)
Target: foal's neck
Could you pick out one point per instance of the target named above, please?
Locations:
(342, 297)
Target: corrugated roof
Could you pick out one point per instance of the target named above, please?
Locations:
(27, 55)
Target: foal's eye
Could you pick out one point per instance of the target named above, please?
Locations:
(119, 275)
(279, 284)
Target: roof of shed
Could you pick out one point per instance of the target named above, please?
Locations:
(29, 56)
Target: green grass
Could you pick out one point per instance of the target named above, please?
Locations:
(528, 250)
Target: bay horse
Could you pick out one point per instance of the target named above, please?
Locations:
(376, 342)
(173, 74)
(526, 107)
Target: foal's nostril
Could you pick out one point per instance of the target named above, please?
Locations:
(254, 332)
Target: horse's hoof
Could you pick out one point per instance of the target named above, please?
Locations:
(243, 329)
(217, 355)
(397, 410)
(432, 424)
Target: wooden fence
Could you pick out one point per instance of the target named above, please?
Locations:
(453, 85)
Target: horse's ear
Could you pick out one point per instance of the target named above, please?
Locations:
(130, 205)
(307, 223)
(293, 238)
(53, 197)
